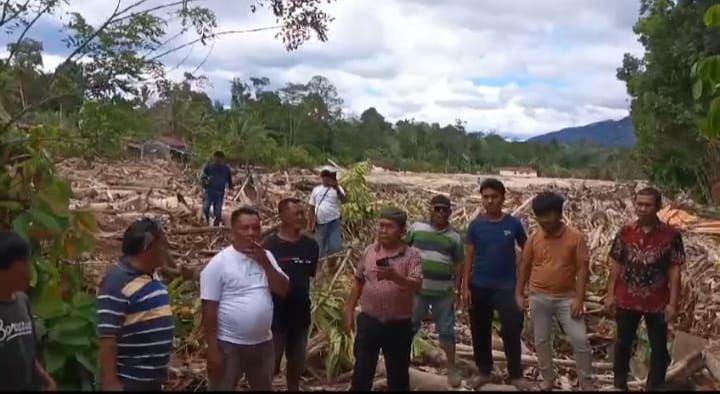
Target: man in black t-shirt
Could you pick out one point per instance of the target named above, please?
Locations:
(297, 256)
(20, 366)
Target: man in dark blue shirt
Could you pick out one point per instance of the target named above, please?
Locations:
(491, 257)
(215, 176)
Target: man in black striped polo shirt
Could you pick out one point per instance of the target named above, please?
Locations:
(134, 318)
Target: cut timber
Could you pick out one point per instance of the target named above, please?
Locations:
(685, 368)
(426, 381)
(711, 355)
(529, 360)
(685, 344)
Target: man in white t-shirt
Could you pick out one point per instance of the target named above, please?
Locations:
(237, 307)
(325, 212)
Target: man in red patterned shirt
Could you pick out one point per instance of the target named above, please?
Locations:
(388, 276)
(644, 283)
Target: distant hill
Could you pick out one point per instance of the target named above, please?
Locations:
(608, 133)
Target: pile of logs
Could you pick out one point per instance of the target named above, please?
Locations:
(119, 193)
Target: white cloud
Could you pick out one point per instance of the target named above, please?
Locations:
(516, 66)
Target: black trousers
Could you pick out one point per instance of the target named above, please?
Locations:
(627, 325)
(484, 301)
(394, 338)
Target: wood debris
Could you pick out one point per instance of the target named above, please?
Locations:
(119, 193)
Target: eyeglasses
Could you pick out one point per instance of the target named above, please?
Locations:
(441, 208)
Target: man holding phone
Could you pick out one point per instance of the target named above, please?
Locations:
(325, 212)
(388, 276)
(236, 288)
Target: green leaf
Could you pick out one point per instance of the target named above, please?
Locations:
(21, 225)
(712, 16)
(49, 303)
(11, 205)
(54, 359)
(75, 338)
(709, 69)
(697, 89)
(83, 300)
(47, 220)
(712, 123)
(68, 325)
(86, 362)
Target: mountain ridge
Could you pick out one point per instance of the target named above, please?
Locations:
(607, 133)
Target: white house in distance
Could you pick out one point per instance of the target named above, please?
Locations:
(525, 172)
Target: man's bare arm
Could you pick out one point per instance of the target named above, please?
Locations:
(674, 277)
(108, 363)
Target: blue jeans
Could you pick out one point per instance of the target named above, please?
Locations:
(329, 237)
(215, 199)
(443, 314)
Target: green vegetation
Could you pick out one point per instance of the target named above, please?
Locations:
(674, 130)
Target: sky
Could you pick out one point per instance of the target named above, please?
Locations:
(515, 67)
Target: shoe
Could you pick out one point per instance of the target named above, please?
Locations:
(454, 379)
(479, 380)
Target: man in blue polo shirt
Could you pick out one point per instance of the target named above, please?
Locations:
(134, 318)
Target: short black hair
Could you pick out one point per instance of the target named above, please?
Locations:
(285, 203)
(547, 202)
(140, 235)
(13, 248)
(440, 200)
(245, 210)
(651, 191)
(493, 184)
(219, 154)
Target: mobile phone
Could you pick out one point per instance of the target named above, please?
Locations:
(384, 262)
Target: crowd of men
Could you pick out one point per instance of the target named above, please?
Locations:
(256, 304)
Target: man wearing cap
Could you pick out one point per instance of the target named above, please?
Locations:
(134, 319)
(388, 276)
(441, 251)
(325, 210)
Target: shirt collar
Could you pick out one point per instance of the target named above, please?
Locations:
(655, 226)
(377, 247)
(125, 264)
(559, 233)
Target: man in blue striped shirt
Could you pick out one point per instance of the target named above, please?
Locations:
(134, 318)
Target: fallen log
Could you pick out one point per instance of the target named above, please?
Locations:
(426, 381)
(530, 360)
(686, 367)
(711, 355)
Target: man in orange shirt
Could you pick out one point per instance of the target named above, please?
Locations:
(555, 261)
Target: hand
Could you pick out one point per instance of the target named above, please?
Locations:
(256, 252)
(577, 309)
(670, 313)
(521, 301)
(112, 384)
(610, 304)
(464, 297)
(215, 365)
(349, 320)
(388, 273)
(50, 384)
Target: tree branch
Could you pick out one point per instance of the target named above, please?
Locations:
(29, 108)
(215, 35)
(21, 8)
(27, 28)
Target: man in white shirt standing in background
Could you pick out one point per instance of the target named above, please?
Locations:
(237, 307)
(325, 212)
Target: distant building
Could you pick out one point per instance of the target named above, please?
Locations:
(525, 172)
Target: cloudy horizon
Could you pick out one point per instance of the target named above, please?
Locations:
(514, 67)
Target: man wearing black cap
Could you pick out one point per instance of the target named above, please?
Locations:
(387, 277)
(441, 251)
(325, 212)
(134, 319)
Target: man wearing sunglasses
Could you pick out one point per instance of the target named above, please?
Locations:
(441, 252)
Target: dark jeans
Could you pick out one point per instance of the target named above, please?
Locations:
(627, 325)
(394, 338)
(215, 199)
(484, 302)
